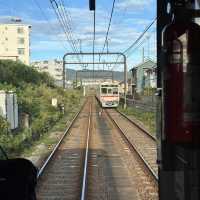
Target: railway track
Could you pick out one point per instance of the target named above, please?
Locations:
(59, 178)
(91, 162)
(138, 138)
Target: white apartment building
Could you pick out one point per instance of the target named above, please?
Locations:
(15, 41)
(53, 67)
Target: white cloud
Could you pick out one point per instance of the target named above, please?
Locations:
(133, 4)
(45, 35)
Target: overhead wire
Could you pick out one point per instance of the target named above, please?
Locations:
(48, 21)
(140, 44)
(108, 29)
(63, 23)
(67, 21)
(138, 39)
(141, 35)
(62, 13)
(109, 24)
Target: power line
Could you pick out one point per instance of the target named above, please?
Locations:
(60, 19)
(64, 24)
(67, 23)
(140, 37)
(147, 38)
(113, 7)
(47, 20)
(61, 12)
(67, 20)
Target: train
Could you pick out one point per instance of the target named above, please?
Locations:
(108, 94)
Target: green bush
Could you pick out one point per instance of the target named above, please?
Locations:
(34, 91)
(17, 74)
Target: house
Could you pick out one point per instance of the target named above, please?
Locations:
(144, 75)
(53, 67)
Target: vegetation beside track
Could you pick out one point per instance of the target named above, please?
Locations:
(148, 119)
(34, 92)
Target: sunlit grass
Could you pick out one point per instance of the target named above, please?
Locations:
(148, 119)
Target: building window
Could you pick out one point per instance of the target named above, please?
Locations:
(6, 39)
(21, 51)
(6, 49)
(20, 30)
(20, 40)
(6, 28)
(58, 69)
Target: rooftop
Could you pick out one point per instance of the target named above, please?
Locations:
(147, 64)
(12, 21)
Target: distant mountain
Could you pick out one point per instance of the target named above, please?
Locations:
(117, 75)
(71, 74)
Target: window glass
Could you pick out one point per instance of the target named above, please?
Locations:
(104, 90)
(20, 40)
(109, 91)
(20, 30)
(115, 90)
(21, 51)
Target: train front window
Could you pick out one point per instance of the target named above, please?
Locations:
(109, 90)
(115, 90)
(104, 90)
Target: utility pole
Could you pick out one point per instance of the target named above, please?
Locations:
(143, 54)
(148, 47)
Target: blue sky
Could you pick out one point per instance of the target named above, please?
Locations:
(48, 40)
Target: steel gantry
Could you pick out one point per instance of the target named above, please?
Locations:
(122, 61)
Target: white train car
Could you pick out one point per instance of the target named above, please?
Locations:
(108, 94)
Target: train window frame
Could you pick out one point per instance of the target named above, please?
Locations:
(115, 92)
(109, 91)
(102, 92)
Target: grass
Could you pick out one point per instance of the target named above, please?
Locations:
(148, 119)
(49, 141)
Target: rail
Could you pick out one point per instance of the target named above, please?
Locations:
(85, 172)
(134, 148)
(137, 125)
(41, 170)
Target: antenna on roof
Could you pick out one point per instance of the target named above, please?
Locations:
(16, 19)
